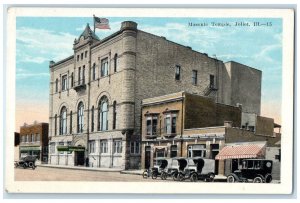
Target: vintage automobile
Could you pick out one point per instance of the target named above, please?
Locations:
(197, 168)
(255, 170)
(205, 169)
(26, 162)
(173, 168)
(161, 164)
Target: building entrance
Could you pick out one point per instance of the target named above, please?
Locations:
(79, 158)
(147, 157)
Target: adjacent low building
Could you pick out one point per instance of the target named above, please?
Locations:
(189, 125)
(34, 141)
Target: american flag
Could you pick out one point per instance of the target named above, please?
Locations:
(101, 23)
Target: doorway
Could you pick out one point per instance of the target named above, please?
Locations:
(147, 157)
(79, 158)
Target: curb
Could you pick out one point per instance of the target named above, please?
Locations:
(81, 169)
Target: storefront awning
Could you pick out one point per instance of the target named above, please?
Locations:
(30, 148)
(70, 148)
(241, 151)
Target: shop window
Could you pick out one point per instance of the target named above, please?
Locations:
(117, 146)
(61, 144)
(198, 150)
(173, 151)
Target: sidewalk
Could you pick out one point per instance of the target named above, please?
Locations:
(81, 168)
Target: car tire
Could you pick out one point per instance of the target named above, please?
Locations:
(154, 175)
(175, 176)
(230, 179)
(180, 177)
(268, 178)
(163, 175)
(258, 179)
(145, 174)
(194, 177)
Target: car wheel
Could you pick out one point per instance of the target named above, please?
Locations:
(175, 176)
(180, 177)
(230, 179)
(194, 177)
(257, 180)
(154, 175)
(163, 175)
(211, 178)
(145, 174)
(268, 178)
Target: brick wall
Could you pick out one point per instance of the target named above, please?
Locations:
(264, 126)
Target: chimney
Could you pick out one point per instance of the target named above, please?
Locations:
(129, 25)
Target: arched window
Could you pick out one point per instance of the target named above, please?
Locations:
(63, 121)
(115, 62)
(80, 117)
(114, 114)
(102, 114)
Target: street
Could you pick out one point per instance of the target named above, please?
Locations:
(57, 174)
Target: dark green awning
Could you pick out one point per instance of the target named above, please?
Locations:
(70, 148)
(30, 148)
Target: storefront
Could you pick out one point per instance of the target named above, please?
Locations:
(30, 150)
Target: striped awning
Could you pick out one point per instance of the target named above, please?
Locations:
(241, 151)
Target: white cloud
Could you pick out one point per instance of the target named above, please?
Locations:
(30, 75)
(44, 43)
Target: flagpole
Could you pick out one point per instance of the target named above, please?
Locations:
(94, 23)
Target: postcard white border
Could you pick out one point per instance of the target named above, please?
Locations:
(285, 187)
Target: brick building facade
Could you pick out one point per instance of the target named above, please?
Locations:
(34, 141)
(96, 94)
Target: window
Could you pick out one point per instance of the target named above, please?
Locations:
(83, 75)
(151, 125)
(104, 67)
(61, 144)
(92, 146)
(69, 143)
(211, 81)
(55, 125)
(170, 123)
(114, 114)
(103, 146)
(81, 56)
(102, 115)
(63, 121)
(79, 76)
(85, 54)
(52, 148)
(197, 150)
(117, 146)
(160, 153)
(173, 151)
(56, 85)
(80, 118)
(72, 79)
(37, 137)
(115, 62)
(194, 77)
(92, 125)
(32, 138)
(71, 122)
(27, 138)
(64, 83)
(177, 72)
(77, 57)
(134, 147)
(94, 72)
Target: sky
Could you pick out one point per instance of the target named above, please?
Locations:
(42, 39)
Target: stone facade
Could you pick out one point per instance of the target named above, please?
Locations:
(139, 65)
(34, 141)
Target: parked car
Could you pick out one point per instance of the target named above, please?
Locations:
(26, 162)
(173, 168)
(205, 169)
(160, 167)
(255, 170)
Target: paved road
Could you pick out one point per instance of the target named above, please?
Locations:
(56, 174)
